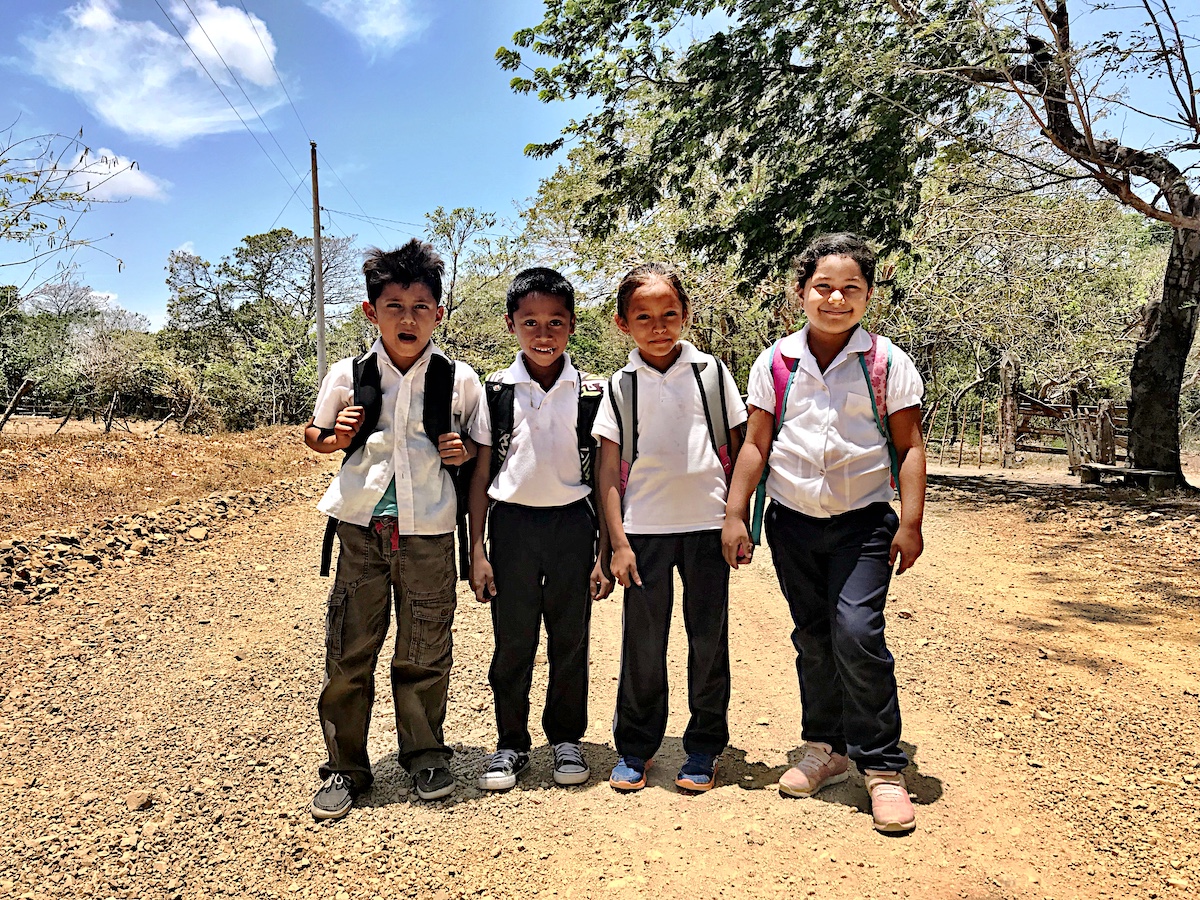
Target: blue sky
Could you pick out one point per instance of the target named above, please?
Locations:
(403, 98)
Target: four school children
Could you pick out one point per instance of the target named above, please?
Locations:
(833, 420)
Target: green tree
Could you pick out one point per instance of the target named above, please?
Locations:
(833, 110)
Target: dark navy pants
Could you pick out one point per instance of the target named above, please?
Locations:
(834, 574)
(641, 718)
(542, 560)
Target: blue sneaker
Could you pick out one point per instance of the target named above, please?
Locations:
(629, 774)
(699, 773)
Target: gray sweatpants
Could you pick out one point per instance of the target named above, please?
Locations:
(375, 569)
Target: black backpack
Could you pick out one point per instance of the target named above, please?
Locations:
(500, 400)
(436, 420)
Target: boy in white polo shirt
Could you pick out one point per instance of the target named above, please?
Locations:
(668, 439)
(838, 412)
(533, 484)
(394, 506)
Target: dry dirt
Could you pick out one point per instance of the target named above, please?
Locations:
(159, 681)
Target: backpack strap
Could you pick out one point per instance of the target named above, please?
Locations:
(367, 392)
(437, 417)
(876, 366)
(591, 393)
(501, 398)
(783, 373)
(622, 395)
(711, 382)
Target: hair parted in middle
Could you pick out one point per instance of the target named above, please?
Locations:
(644, 274)
(842, 243)
(414, 263)
(539, 280)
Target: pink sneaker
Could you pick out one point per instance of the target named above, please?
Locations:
(818, 767)
(891, 808)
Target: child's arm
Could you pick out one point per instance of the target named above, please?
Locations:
(483, 582)
(327, 440)
(747, 470)
(624, 563)
(905, 426)
(602, 580)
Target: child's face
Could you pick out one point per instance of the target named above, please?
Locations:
(542, 324)
(406, 317)
(835, 297)
(654, 319)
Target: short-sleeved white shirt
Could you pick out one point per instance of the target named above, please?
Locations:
(676, 483)
(542, 466)
(829, 457)
(399, 448)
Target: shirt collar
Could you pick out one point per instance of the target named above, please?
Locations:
(381, 354)
(518, 372)
(795, 346)
(688, 355)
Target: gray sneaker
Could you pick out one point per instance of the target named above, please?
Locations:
(569, 765)
(501, 771)
(434, 784)
(334, 799)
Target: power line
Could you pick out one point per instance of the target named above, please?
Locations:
(270, 158)
(228, 69)
(374, 219)
(291, 197)
(278, 77)
(350, 195)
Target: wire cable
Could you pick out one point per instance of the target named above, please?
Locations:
(270, 158)
(291, 197)
(228, 69)
(278, 77)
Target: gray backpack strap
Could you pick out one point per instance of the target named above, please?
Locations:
(623, 397)
(711, 382)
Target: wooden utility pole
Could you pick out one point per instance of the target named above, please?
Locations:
(318, 271)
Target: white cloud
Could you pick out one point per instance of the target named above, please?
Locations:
(138, 76)
(379, 25)
(104, 175)
(188, 247)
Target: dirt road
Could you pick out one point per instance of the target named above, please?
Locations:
(159, 736)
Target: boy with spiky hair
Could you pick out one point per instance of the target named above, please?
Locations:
(402, 414)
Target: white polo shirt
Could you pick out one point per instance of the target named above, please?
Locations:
(676, 483)
(399, 447)
(542, 466)
(829, 457)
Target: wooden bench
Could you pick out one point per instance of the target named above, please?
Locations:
(1153, 480)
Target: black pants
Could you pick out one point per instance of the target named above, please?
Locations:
(835, 574)
(542, 559)
(641, 718)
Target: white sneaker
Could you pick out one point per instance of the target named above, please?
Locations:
(501, 771)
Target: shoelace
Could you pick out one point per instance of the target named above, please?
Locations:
(888, 790)
(337, 782)
(568, 754)
(503, 760)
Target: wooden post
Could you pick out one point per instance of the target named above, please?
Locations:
(25, 388)
(945, 434)
(982, 414)
(962, 435)
(108, 415)
(67, 417)
(169, 417)
(1106, 434)
(318, 271)
(1010, 380)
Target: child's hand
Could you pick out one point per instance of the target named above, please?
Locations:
(624, 567)
(349, 420)
(483, 581)
(736, 546)
(452, 449)
(907, 545)
(601, 582)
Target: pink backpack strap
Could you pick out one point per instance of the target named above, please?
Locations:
(782, 368)
(877, 373)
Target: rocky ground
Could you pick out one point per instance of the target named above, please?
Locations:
(158, 687)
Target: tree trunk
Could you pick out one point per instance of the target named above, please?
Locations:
(1156, 378)
(24, 389)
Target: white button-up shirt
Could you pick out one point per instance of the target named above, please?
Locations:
(542, 465)
(399, 447)
(829, 457)
(676, 484)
